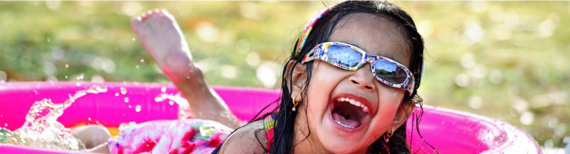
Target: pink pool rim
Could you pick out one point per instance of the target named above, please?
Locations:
(447, 130)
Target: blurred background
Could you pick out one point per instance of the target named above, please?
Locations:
(505, 60)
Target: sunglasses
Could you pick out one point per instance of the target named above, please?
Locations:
(350, 57)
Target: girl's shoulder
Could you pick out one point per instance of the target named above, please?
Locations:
(250, 138)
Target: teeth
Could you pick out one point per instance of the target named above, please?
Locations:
(354, 102)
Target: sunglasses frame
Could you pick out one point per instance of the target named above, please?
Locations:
(321, 52)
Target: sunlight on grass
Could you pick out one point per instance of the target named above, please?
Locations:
(505, 60)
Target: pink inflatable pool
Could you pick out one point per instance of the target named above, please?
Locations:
(447, 130)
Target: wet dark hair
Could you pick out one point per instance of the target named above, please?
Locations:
(322, 30)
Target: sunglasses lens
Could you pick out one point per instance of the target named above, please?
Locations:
(344, 55)
(390, 72)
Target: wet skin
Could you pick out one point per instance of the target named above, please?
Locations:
(160, 35)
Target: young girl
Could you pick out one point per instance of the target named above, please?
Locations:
(349, 87)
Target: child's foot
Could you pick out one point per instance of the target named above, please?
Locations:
(160, 35)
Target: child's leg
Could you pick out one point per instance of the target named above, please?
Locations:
(91, 135)
(101, 148)
(160, 35)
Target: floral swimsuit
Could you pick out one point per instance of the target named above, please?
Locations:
(269, 124)
(177, 136)
(172, 137)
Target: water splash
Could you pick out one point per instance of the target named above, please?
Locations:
(41, 128)
(138, 108)
(123, 90)
(80, 77)
(183, 105)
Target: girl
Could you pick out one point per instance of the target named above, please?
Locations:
(349, 87)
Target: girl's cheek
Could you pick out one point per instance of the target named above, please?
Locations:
(322, 83)
(389, 102)
(395, 95)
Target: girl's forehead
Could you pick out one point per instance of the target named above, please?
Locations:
(374, 34)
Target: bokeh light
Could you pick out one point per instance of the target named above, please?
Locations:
(505, 60)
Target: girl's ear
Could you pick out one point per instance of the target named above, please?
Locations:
(404, 111)
(297, 79)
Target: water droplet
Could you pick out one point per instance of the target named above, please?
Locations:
(66, 65)
(89, 118)
(123, 90)
(142, 60)
(137, 66)
(130, 106)
(78, 84)
(134, 39)
(138, 108)
(48, 40)
(183, 107)
(6, 125)
(80, 77)
(163, 89)
(116, 94)
(66, 76)
(126, 99)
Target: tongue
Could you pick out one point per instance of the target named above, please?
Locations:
(351, 121)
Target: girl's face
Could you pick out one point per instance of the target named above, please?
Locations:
(330, 123)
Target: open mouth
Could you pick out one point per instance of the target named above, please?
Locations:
(349, 112)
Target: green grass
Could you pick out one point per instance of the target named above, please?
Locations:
(510, 58)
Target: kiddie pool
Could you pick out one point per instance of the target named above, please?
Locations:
(447, 130)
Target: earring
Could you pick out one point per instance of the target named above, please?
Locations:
(295, 103)
(387, 139)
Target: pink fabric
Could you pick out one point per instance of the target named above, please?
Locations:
(269, 124)
(172, 137)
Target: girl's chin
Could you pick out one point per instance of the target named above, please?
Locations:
(336, 138)
(336, 143)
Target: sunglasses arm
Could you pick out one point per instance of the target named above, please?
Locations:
(312, 55)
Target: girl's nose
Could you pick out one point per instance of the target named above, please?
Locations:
(363, 78)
